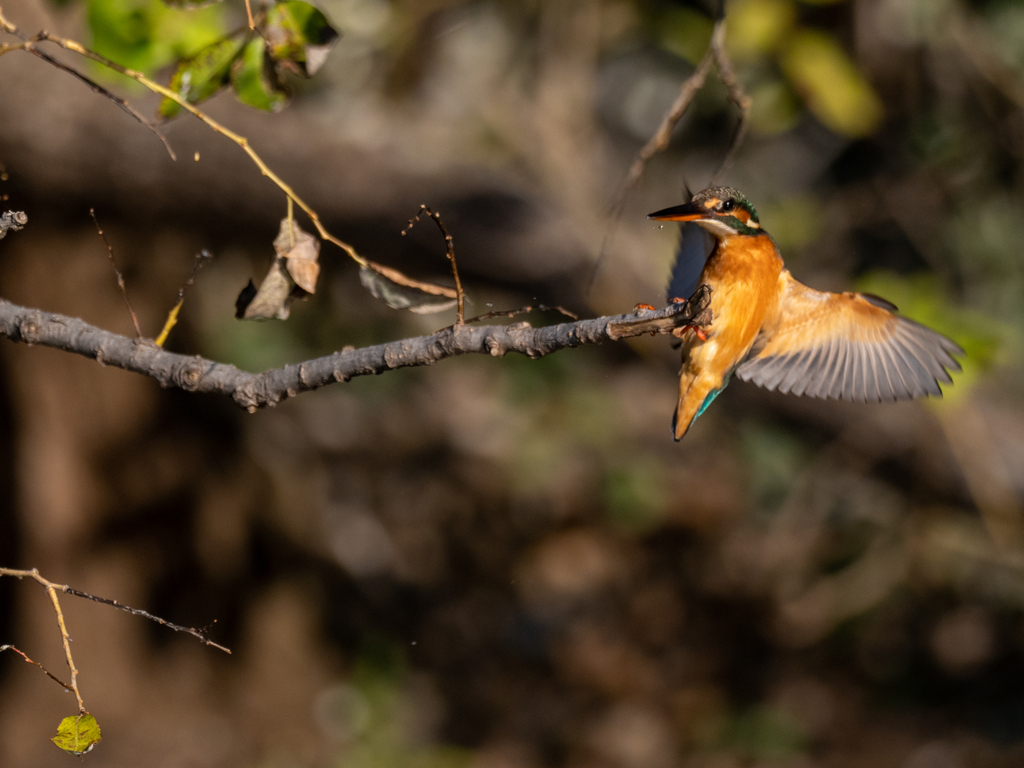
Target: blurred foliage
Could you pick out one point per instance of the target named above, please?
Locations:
(371, 714)
(834, 89)
(147, 35)
(786, 59)
(774, 457)
(291, 35)
(766, 734)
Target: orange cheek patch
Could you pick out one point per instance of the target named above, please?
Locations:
(714, 202)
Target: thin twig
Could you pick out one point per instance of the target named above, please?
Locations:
(117, 272)
(54, 588)
(49, 674)
(981, 53)
(196, 633)
(28, 44)
(65, 639)
(659, 141)
(51, 590)
(688, 91)
(248, 13)
(97, 88)
(521, 311)
(450, 246)
(738, 97)
(291, 223)
(172, 317)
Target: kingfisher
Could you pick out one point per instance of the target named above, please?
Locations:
(776, 332)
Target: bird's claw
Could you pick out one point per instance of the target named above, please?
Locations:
(648, 307)
(699, 332)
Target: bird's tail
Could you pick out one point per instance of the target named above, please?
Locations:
(694, 398)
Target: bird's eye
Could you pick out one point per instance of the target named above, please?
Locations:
(728, 205)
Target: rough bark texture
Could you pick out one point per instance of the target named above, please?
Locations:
(255, 390)
(12, 221)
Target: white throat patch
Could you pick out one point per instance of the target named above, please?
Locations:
(716, 227)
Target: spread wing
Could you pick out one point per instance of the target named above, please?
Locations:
(847, 345)
(695, 243)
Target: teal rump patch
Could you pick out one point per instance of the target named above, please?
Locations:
(707, 401)
(712, 395)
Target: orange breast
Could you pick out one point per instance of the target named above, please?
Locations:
(743, 273)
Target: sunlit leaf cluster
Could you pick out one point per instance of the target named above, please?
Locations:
(292, 35)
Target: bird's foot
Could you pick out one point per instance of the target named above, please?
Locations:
(648, 307)
(699, 332)
(676, 300)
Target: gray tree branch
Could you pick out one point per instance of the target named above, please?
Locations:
(255, 390)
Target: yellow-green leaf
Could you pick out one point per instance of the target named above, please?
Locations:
(831, 84)
(77, 734)
(147, 34)
(254, 79)
(198, 78)
(758, 27)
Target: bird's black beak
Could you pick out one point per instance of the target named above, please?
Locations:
(686, 212)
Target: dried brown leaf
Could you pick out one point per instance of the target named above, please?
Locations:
(401, 292)
(273, 298)
(301, 251)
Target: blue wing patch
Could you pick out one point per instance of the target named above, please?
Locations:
(695, 244)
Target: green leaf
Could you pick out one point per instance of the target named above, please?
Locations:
(190, 4)
(146, 34)
(198, 78)
(254, 79)
(299, 36)
(77, 734)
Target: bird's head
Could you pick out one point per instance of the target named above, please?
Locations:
(722, 211)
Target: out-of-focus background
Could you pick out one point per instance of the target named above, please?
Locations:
(509, 563)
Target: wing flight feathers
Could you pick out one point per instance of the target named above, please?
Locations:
(695, 244)
(849, 346)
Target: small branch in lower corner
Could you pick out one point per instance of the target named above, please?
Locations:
(51, 590)
(49, 674)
